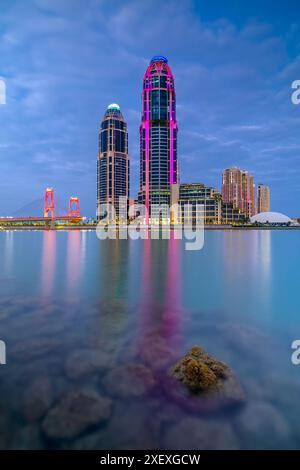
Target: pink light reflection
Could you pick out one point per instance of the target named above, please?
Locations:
(160, 331)
(48, 262)
(74, 261)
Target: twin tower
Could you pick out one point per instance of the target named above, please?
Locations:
(158, 144)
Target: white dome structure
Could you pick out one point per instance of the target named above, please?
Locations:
(271, 218)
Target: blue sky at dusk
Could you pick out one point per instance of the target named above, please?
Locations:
(64, 61)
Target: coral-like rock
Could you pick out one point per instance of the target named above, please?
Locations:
(200, 382)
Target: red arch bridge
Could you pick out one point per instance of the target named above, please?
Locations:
(49, 212)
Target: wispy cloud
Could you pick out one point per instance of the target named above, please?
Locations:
(64, 61)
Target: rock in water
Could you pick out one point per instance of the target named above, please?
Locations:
(129, 380)
(199, 433)
(37, 399)
(75, 413)
(86, 362)
(201, 383)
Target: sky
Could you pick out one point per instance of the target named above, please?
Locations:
(64, 61)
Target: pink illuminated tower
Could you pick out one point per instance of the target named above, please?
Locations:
(158, 135)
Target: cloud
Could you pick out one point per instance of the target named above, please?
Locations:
(246, 127)
(64, 61)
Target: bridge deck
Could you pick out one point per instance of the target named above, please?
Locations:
(38, 219)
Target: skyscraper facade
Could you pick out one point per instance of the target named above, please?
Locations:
(113, 159)
(262, 199)
(248, 194)
(238, 189)
(158, 135)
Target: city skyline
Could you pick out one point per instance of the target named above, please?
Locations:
(233, 79)
(160, 185)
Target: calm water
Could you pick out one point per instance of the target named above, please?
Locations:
(108, 319)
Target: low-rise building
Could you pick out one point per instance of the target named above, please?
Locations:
(196, 201)
(232, 214)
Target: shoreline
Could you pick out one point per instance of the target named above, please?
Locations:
(93, 227)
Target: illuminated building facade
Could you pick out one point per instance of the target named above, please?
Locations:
(158, 136)
(238, 189)
(113, 159)
(262, 199)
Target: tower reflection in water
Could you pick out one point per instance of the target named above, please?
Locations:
(159, 334)
(112, 284)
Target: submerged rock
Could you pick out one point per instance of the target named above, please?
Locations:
(76, 412)
(86, 362)
(202, 383)
(6, 426)
(130, 428)
(129, 380)
(31, 349)
(262, 426)
(26, 438)
(156, 353)
(7, 311)
(203, 434)
(245, 338)
(37, 399)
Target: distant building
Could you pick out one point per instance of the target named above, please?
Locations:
(196, 199)
(238, 189)
(272, 218)
(262, 199)
(158, 136)
(232, 214)
(113, 159)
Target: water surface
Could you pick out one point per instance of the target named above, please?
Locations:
(111, 317)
